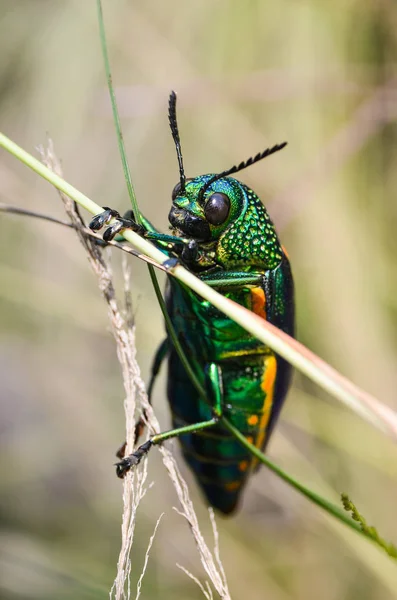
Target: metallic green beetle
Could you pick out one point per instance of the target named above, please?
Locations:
(222, 233)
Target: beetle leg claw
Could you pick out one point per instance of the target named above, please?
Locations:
(103, 218)
(133, 459)
(121, 224)
(113, 230)
(106, 216)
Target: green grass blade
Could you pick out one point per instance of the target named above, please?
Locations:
(332, 509)
(116, 118)
(172, 333)
(127, 174)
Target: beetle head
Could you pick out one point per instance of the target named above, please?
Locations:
(204, 207)
(206, 216)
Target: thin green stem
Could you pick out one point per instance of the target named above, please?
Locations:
(332, 509)
(116, 118)
(172, 433)
(127, 175)
(174, 338)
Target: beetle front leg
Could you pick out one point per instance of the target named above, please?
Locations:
(126, 222)
(164, 241)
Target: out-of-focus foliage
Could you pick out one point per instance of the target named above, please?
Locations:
(322, 76)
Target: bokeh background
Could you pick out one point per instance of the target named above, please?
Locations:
(249, 74)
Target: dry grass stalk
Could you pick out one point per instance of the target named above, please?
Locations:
(134, 490)
(139, 584)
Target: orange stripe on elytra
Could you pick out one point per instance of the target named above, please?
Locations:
(267, 385)
(258, 302)
(285, 252)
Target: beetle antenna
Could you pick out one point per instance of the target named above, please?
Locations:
(243, 165)
(175, 136)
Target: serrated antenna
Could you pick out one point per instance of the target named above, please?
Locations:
(175, 136)
(243, 165)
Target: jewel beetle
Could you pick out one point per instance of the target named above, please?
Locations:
(221, 232)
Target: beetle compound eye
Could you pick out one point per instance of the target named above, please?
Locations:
(217, 208)
(176, 191)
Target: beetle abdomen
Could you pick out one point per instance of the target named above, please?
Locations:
(219, 462)
(254, 381)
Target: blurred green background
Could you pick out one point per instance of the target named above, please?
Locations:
(249, 74)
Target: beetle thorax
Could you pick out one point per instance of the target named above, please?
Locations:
(251, 239)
